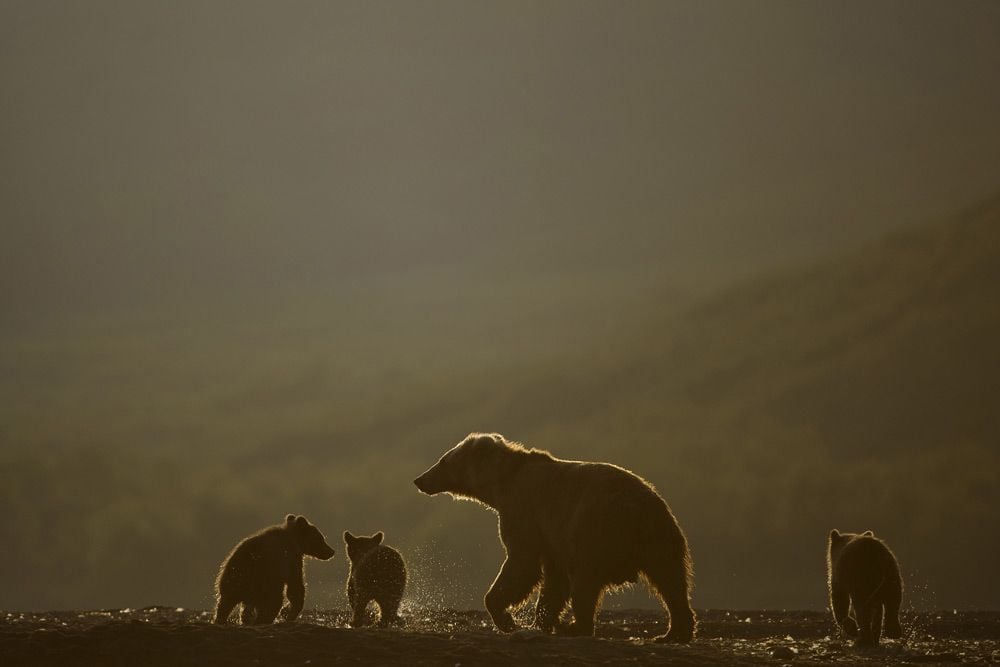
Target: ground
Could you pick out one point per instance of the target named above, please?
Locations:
(167, 636)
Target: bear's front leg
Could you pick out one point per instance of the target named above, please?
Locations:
(296, 593)
(553, 597)
(517, 578)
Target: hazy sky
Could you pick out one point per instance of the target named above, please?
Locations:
(150, 150)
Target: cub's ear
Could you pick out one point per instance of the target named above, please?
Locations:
(868, 533)
(290, 519)
(377, 537)
(350, 539)
(834, 534)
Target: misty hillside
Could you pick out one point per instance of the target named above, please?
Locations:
(857, 394)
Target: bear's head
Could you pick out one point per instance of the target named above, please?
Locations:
(359, 546)
(311, 542)
(839, 539)
(472, 469)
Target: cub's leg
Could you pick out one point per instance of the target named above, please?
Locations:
(864, 612)
(840, 602)
(893, 600)
(247, 614)
(269, 606)
(223, 609)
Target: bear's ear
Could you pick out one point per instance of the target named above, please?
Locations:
(834, 534)
(868, 533)
(290, 519)
(377, 537)
(301, 521)
(350, 539)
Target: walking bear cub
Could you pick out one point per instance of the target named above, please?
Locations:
(575, 527)
(864, 575)
(377, 573)
(258, 570)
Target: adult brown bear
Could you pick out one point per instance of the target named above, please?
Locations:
(574, 526)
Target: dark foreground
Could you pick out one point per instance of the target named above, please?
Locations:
(167, 636)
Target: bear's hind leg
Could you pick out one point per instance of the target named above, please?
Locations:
(585, 598)
(670, 584)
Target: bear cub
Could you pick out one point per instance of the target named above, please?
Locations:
(377, 573)
(865, 586)
(259, 571)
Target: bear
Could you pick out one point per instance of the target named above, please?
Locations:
(863, 574)
(575, 528)
(258, 570)
(377, 573)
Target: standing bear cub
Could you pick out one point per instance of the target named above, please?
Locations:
(258, 570)
(575, 527)
(863, 573)
(377, 573)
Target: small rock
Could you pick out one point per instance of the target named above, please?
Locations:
(784, 652)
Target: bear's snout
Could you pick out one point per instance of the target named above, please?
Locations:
(426, 483)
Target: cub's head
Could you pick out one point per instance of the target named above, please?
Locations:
(358, 546)
(311, 542)
(469, 469)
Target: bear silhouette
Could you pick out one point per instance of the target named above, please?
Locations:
(377, 573)
(258, 570)
(863, 575)
(575, 527)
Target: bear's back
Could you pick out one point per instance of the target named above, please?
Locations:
(380, 569)
(598, 509)
(263, 555)
(589, 490)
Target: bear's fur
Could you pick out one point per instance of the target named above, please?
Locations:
(863, 575)
(258, 570)
(377, 573)
(576, 527)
